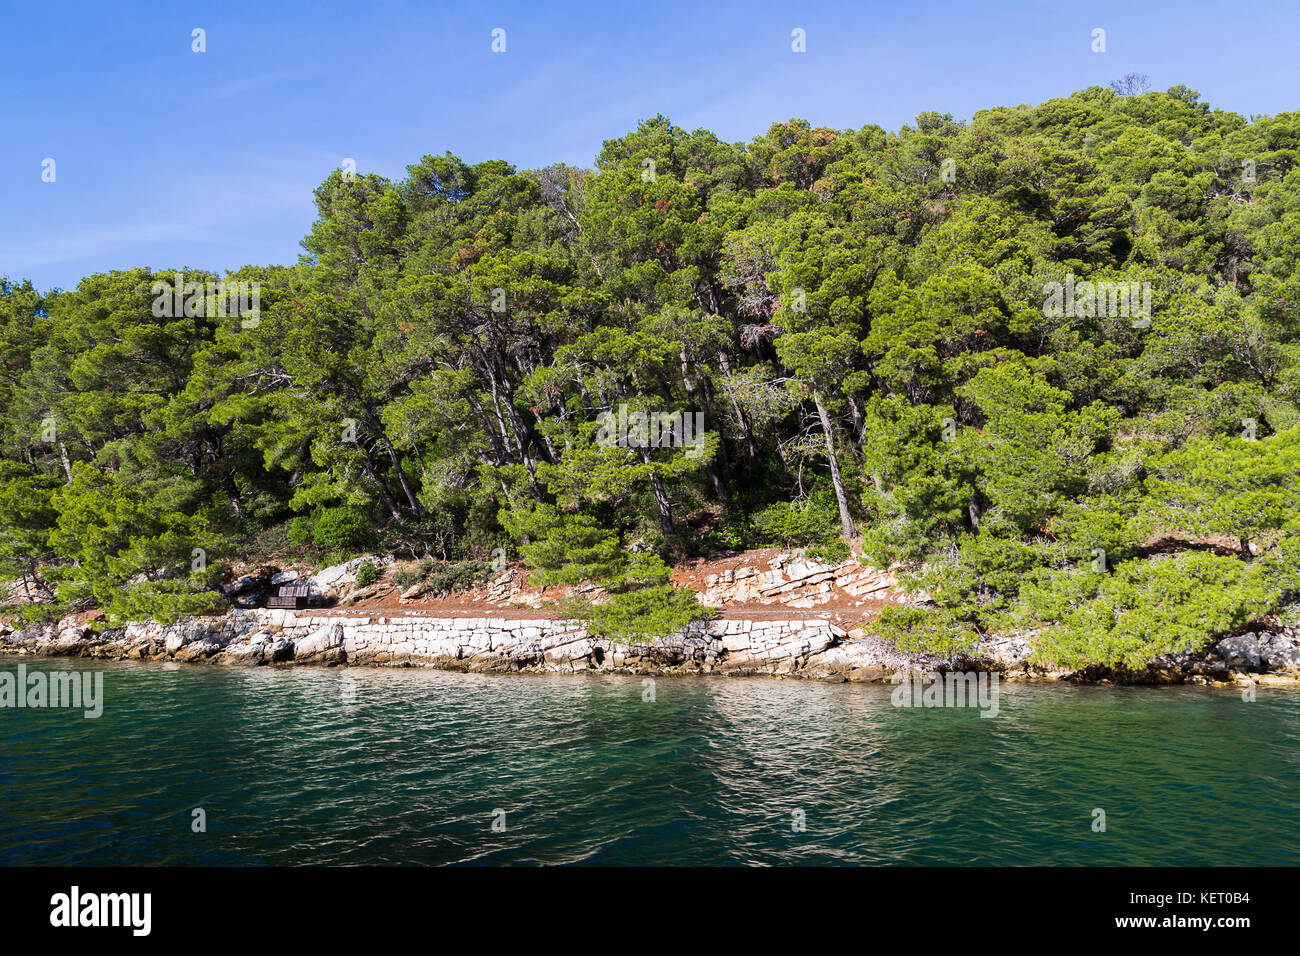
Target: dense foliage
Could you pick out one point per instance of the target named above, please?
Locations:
(863, 319)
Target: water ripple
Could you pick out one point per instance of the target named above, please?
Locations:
(413, 767)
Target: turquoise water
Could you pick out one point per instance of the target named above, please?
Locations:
(288, 770)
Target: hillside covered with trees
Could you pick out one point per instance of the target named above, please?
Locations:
(864, 320)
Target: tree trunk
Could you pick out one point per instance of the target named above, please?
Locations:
(692, 398)
(376, 427)
(369, 467)
(661, 498)
(846, 520)
(686, 376)
(859, 426)
(67, 465)
(497, 447)
(402, 479)
(751, 447)
(512, 434)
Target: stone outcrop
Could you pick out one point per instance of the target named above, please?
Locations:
(739, 647)
(1255, 656)
(329, 584)
(800, 583)
(812, 647)
(782, 581)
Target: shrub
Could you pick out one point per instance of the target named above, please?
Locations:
(989, 561)
(165, 601)
(733, 534)
(929, 630)
(367, 575)
(456, 576)
(443, 577)
(645, 569)
(300, 531)
(813, 524)
(793, 524)
(405, 578)
(834, 551)
(566, 548)
(340, 529)
(1144, 609)
(635, 617)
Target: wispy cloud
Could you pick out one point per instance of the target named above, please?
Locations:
(249, 84)
(232, 208)
(19, 257)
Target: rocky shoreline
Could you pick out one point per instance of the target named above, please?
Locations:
(813, 648)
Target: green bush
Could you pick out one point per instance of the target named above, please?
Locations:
(732, 534)
(566, 548)
(645, 569)
(990, 562)
(341, 529)
(813, 524)
(636, 617)
(455, 576)
(1144, 609)
(367, 575)
(926, 630)
(166, 602)
(792, 524)
(300, 531)
(443, 577)
(834, 551)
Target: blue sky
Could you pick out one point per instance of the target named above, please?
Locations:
(170, 158)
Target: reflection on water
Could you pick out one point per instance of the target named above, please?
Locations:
(356, 766)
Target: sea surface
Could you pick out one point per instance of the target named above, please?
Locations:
(377, 766)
